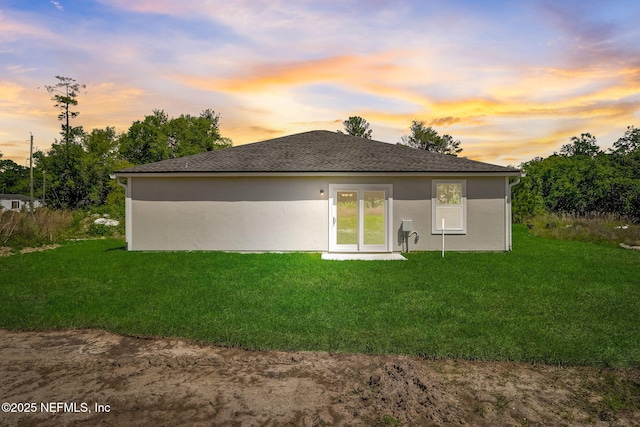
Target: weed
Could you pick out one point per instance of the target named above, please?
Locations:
(480, 410)
(387, 421)
(501, 401)
(617, 393)
(605, 229)
(43, 226)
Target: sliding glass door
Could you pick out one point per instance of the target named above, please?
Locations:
(359, 219)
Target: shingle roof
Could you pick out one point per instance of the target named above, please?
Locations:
(14, 197)
(318, 151)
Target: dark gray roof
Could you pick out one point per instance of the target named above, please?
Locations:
(318, 151)
(14, 197)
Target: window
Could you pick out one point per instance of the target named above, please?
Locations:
(449, 203)
(15, 204)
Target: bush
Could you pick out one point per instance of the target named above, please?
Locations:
(100, 230)
(85, 225)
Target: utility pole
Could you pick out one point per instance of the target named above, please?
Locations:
(31, 170)
(44, 186)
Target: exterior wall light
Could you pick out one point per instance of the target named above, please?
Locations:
(322, 192)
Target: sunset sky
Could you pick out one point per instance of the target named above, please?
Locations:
(511, 79)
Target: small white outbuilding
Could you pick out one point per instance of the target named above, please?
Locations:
(16, 202)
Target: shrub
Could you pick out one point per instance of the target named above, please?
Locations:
(100, 230)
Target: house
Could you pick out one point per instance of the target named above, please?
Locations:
(318, 191)
(16, 202)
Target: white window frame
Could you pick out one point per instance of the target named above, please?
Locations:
(436, 223)
(361, 188)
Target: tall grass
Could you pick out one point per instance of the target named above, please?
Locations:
(607, 229)
(19, 229)
(42, 226)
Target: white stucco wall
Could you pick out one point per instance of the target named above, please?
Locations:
(485, 214)
(6, 204)
(234, 214)
(290, 214)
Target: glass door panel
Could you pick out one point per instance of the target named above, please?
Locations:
(347, 216)
(374, 221)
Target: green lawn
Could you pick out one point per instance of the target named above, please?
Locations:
(547, 301)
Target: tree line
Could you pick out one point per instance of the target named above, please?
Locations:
(75, 173)
(582, 179)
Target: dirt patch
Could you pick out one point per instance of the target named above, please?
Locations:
(635, 246)
(7, 251)
(39, 249)
(161, 382)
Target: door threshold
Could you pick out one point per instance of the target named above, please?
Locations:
(363, 257)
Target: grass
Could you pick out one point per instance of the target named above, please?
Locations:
(560, 302)
(605, 229)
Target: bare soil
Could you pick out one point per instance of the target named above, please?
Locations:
(162, 382)
(7, 251)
